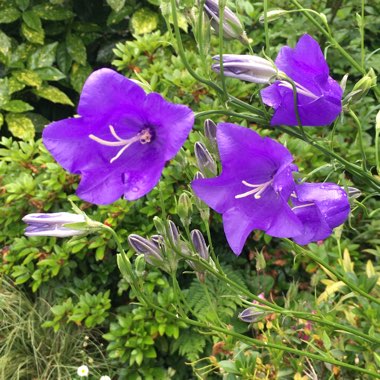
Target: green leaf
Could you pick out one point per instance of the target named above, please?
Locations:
(53, 12)
(53, 94)
(28, 77)
(15, 85)
(116, 17)
(5, 47)
(50, 73)
(32, 20)
(34, 36)
(43, 56)
(78, 76)
(20, 126)
(116, 5)
(8, 15)
(1, 120)
(64, 59)
(4, 91)
(22, 4)
(17, 106)
(144, 21)
(76, 48)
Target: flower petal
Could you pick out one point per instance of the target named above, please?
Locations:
(324, 206)
(105, 91)
(173, 123)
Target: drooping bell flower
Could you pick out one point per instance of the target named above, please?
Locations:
(121, 140)
(320, 207)
(253, 188)
(54, 224)
(249, 68)
(319, 96)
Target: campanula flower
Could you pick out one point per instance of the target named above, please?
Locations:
(232, 27)
(321, 207)
(319, 96)
(54, 224)
(121, 140)
(249, 68)
(253, 189)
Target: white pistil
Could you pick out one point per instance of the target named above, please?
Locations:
(300, 89)
(302, 206)
(143, 137)
(256, 191)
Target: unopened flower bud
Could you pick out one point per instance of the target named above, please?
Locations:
(210, 132)
(199, 244)
(184, 209)
(140, 264)
(249, 68)
(160, 225)
(232, 27)
(353, 192)
(206, 163)
(61, 224)
(158, 240)
(173, 233)
(141, 245)
(250, 315)
(273, 15)
(362, 87)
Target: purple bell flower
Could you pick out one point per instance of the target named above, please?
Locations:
(319, 96)
(41, 224)
(121, 139)
(321, 207)
(253, 189)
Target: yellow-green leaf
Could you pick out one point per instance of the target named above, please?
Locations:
(15, 85)
(1, 119)
(17, 106)
(116, 5)
(53, 94)
(34, 36)
(5, 47)
(28, 77)
(20, 126)
(144, 21)
(348, 265)
(75, 47)
(8, 15)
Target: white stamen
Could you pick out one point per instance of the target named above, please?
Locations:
(301, 206)
(143, 137)
(300, 89)
(257, 190)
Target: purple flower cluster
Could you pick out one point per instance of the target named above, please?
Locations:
(256, 190)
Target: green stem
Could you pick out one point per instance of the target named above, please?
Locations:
(360, 138)
(361, 28)
(221, 40)
(212, 251)
(338, 275)
(266, 29)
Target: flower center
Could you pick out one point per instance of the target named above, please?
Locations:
(300, 89)
(144, 136)
(256, 191)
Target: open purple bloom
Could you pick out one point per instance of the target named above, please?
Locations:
(121, 139)
(253, 189)
(319, 96)
(321, 207)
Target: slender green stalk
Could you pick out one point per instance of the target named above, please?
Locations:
(362, 32)
(211, 247)
(266, 29)
(221, 40)
(360, 138)
(337, 274)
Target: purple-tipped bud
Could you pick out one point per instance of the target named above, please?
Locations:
(173, 233)
(210, 130)
(151, 252)
(206, 163)
(249, 68)
(353, 192)
(199, 244)
(232, 27)
(250, 315)
(54, 224)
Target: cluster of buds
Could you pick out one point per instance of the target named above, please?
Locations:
(361, 88)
